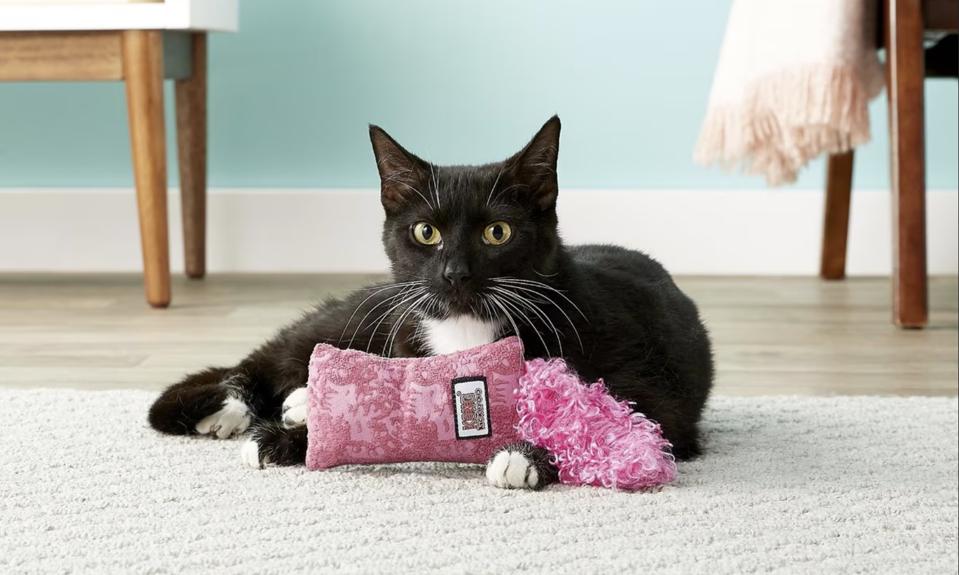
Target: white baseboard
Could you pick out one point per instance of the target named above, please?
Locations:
(720, 232)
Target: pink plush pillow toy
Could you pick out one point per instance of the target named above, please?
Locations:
(365, 408)
(463, 406)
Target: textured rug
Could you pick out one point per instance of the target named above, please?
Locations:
(788, 484)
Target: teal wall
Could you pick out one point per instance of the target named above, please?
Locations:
(457, 81)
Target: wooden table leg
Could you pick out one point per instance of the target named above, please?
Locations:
(143, 73)
(191, 143)
(905, 78)
(835, 230)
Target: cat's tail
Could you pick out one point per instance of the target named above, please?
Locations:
(209, 402)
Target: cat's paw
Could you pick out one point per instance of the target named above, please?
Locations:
(232, 419)
(294, 408)
(520, 466)
(272, 444)
(250, 455)
(511, 470)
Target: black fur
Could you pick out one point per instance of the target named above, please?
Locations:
(610, 312)
(280, 445)
(181, 406)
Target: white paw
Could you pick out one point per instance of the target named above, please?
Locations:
(250, 454)
(294, 408)
(512, 470)
(232, 419)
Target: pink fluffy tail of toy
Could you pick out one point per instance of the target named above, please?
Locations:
(595, 439)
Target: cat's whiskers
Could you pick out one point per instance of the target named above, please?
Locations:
(398, 324)
(393, 285)
(386, 301)
(395, 179)
(495, 301)
(559, 308)
(409, 296)
(428, 308)
(379, 289)
(485, 309)
(493, 189)
(534, 283)
(420, 194)
(422, 313)
(528, 285)
(411, 291)
(510, 303)
(542, 275)
(529, 304)
(436, 185)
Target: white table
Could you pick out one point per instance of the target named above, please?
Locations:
(140, 43)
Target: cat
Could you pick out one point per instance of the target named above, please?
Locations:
(475, 255)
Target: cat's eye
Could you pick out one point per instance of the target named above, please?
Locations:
(426, 234)
(497, 233)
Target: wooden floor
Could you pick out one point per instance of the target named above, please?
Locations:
(772, 335)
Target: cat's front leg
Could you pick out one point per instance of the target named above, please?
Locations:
(521, 465)
(212, 402)
(280, 443)
(271, 443)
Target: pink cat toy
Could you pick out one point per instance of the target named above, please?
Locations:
(463, 406)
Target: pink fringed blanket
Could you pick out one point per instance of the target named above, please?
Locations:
(793, 81)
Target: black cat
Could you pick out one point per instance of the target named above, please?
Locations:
(475, 255)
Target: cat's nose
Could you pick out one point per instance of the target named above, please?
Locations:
(456, 273)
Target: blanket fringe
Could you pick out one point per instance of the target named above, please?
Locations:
(788, 118)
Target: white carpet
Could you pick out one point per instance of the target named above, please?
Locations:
(788, 484)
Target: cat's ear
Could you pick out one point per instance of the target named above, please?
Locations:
(535, 165)
(401, 172)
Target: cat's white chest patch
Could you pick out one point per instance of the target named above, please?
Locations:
(458, 333)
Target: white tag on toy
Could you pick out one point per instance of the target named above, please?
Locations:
(471, 407)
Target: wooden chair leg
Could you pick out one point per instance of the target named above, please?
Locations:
(905, 76)
(143, 75)
(191, 143)
(835, 231)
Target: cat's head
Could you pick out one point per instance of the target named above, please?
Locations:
(457, 230)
